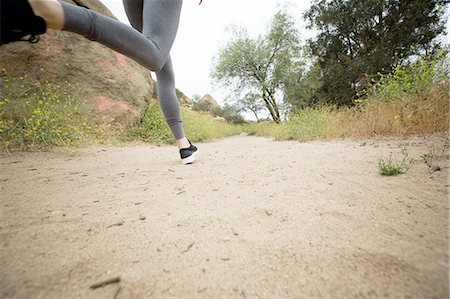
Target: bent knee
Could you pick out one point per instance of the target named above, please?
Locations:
(157, 65)
(159, 61)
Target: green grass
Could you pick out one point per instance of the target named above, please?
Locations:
(303, 124)
(390, 166)
(152, 127)
(203, 127)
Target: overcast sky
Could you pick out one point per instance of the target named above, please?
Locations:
(202, 32)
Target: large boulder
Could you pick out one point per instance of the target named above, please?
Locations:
(111, 83)
(208, 101)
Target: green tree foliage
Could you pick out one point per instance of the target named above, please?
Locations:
(261, 66)
(359, 38)
(203, 106)
(229, 112)
(303, 90)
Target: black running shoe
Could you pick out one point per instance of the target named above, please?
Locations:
(188, 155)
(19, 23)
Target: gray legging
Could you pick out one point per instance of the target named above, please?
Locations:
(155, 25)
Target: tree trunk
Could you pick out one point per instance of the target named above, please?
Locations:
(271, 107)
(276, 113)
(273, 112)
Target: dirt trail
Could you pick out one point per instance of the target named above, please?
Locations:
(253, 218)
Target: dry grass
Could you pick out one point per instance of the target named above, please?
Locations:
(412, 99)
(414, 115)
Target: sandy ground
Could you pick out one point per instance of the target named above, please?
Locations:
(253, 218)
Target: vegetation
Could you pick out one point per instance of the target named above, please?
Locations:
(390, 166)
(261, 66)
(41, 115)
(152, 127)
(228, 112)
(435, 153)
(412, 98)
(358, 39)
(375, 68)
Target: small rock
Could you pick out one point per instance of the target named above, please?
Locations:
(433, 168)
(268, 212)
(91, 231)
(181, 191)
(234, 232)
(120, 223)
(142, 217)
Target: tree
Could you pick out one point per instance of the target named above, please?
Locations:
(260, 66)
(250, 103)
(303, 89)
(230, 114)
(359, 38)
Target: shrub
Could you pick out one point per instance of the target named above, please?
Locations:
(203, 106)
(406, 79)
(41, 114)
(230, 114)
(152, 126)
(389, 166)
(303, 124)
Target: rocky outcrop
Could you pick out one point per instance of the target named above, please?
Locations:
(111, 83)
(208, 101)
(184, 99)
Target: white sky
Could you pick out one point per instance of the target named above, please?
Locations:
(202, 32)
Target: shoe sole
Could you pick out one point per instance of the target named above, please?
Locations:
(190, 159)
